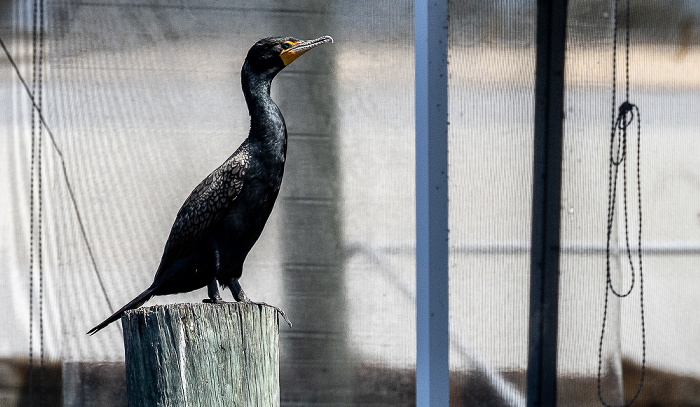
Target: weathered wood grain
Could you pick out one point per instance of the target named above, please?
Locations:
(202, 355)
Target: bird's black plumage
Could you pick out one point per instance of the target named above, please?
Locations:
(224, 215)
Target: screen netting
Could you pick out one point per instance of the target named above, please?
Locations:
(491, 96)
(142, 100)
(664, 83)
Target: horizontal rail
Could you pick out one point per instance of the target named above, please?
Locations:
(659, 248)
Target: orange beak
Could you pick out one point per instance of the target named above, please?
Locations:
(299, 48)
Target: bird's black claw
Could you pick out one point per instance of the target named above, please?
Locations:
(279, 311)
(246, 300)
(284, 315)
(214, 301)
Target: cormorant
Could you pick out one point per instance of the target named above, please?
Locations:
(224, 215)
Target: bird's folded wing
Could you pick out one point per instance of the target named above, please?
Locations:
(206, 205)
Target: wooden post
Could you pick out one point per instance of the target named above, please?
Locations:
(202, 355)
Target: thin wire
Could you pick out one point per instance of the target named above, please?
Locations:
(626, 115)
(66, 178)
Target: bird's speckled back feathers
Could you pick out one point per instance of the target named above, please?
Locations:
(207, 204)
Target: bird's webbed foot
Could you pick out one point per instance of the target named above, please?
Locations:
(240, 296)
(213, 291)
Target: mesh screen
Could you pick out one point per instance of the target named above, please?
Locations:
(143, 99)
(588, 91)
(664, 85)
(491, 96)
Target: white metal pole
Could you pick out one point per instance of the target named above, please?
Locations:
(432, 357)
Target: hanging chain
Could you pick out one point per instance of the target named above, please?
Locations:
(71, 193)
(36, 204)
(32, 223)
(39, 93)
(627, 113)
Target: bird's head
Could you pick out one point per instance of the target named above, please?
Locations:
(271, 55)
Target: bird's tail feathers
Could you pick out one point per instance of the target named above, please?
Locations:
(135, 303)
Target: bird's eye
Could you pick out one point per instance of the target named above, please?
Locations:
(286, 45)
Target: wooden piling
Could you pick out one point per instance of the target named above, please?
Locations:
(202, 355)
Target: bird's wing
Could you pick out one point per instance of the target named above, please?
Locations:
(206, 205)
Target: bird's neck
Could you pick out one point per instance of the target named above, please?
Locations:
(256, 89)
(266, 120)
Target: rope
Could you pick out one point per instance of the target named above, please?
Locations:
(627, 113)
(64, 168)
(36, 195)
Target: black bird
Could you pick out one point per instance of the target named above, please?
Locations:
(223, 217)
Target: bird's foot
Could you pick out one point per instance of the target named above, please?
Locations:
(279, 310)
(240, 296)
(215, 300)
(213, 292)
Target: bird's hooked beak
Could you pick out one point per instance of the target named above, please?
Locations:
(297, 49)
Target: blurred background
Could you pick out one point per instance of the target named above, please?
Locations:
(143, 100)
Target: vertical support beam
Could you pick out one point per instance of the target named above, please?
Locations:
(546, 203)
(432, 367)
